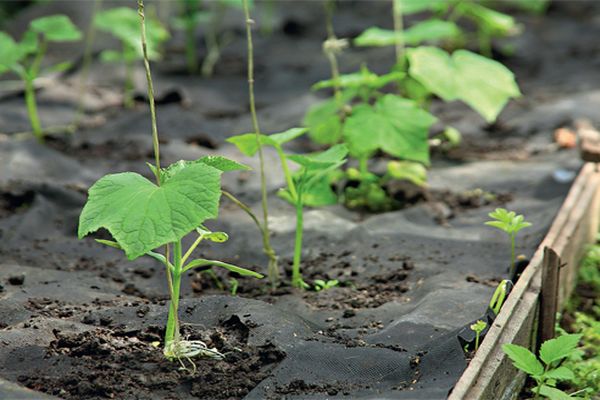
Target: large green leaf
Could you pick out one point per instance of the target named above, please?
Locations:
(558, 348)
(524, 359)
(142, 216)
(124, 23)
(56, 28)
(394, 125)
(9, 52)
(427, 31)
(483, 84)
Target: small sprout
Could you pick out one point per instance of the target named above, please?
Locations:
(510, 223)
(234, 284)
(320, 284)
(478, 327)
(25, 58)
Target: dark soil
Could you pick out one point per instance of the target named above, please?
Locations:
(79, 321)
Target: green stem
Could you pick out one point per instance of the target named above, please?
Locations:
(476, 341)
(128, 89)
(398, 30)
(296, 275)
(273, 269)
(172, 331)
(155, 142)
(363, 165)
(539, 386)
(32, 109)
(512, 255)
(287, 174)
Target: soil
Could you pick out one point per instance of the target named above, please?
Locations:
(79, 321)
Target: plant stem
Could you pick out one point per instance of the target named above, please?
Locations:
(273, 270)
(398, 31)
(268, 250)
(330, 53)
(296, 275)
(87, 61)
(32, 109)
(363, 165)
(129, 86)
(476, 341)
(172, 331)
(512, 256)
(287, 174)
(155, 142)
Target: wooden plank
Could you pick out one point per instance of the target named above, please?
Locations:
(490, 373)
(548, 295)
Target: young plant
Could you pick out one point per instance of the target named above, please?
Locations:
(25, 57)
(478, 327)
(320, 284)
(122, 23)
(305, 187)
(510, 223)
(142, 216)
(548, 371)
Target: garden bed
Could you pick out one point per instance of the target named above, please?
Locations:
(80, 321)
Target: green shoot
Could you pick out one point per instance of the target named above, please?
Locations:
(142, 216)
(273, 268)
(234, 284)
(478, 327)
(320, 284)
(548, 371)
(25, 58)
(122, 23)
(301, 186)
(510, 223)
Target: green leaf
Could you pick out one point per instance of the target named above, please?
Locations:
(111, 56)
(453, 135)
(56, 28)
(233, 268)
(324, 123)
(415, 6)
(217, 237)
(124, 24)
(319, 193)
(394, 125)
(488, 19)
(523, 359)
(318, 161)
(560, 374)
(507, 221)
(221, 163)
(247, 143)
(9, 52)
(484, 84)
(142, 216)
(558, 348)
(408, 170)
(431, 30)
(361, 79)
(29, 44)
(554, 393)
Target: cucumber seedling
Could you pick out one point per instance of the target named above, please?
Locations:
(142, 216)
(308, 186)
(547, 372)
(478, 327)
(510, 223)
(122, 23)
(25, 57)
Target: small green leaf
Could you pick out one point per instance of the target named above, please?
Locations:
(484, 84)
(56, 28)
(453, 135)
(408, 170)
(217, 237)
(124, 24)
(247, 143)
(324, 122)
(111, 56)
(414, 6)
(558, 348)
(560, 374)
(478, 326)
(432, 30)
(221, 163)
(394, 125)
(142, 216)
(29, 44)
(233, 268)
(9, 52)
(523, 359)
(488, 19)
(554, 393)
(318, 161)
(507, 221)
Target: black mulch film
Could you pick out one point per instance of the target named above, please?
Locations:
(77, 320)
